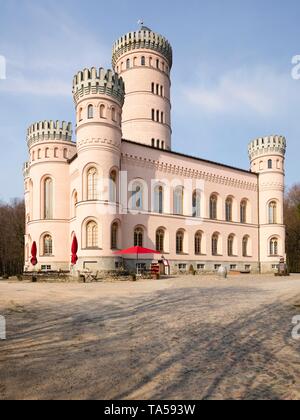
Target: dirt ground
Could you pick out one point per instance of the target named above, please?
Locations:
(182, 338)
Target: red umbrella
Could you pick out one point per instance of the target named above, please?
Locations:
(137, 250)
(74, 250)
(34, 260)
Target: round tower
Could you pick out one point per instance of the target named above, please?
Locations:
(99, 97)
(144, 59)
(267, 156)
(46, 191)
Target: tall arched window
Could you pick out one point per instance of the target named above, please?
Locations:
(158, 199)
(273, 213)
(274, 249)
(143, 61)
(139, 237)
(92, 235)
(215, 244)
(102, 111)
(196, 204)
(228, 209)
(48, 199)
(114, 235)
(213, 207)
(113, 186)
(80, 115)
(160, 240)
(74, 203)
(128, 64)
(92, 184)
(245, 246)
(90, 112)
(47, 246)
(243, 211)
(270, 164)
(178, 201)
(137, 197)
(198, 243)
(230, 243)
(179, 242)
(113, 114)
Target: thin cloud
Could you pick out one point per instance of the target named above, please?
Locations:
(259, 92)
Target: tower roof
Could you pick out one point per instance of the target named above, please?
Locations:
(145, 38)
(267, 145)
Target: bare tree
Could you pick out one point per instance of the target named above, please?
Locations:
(292, 222)
(12, 230)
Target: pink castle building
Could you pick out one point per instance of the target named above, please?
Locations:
(120, 183)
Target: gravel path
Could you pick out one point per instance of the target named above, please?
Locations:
(188, 338)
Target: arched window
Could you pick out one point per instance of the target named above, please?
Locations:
(215, 244)
(113, 186)
(179, 242)
(114, 235)
(102, 111)
(157, 64)
(74, 202)
(274, 250)
(243, 211)
(143, 61)
(128, 64)
(56, 152)
(228, 209)
(113, 114)
(139, 237)
(92, 181)
(153, 142)
(230, 243)
(178, 201)
(273, 213)
(196, 204)
(47, 152)
(213, 207)
(163, 145)
(198, 243)
(157, 116)
(92, 235)
(270, 164)
(39, 154)
(80, 115)
(47, 246)
(160, 240)
(245, 246)
(153, 87)
(65, 153)
(48, 199)
(90, 112)
(158, 144)
(137, 197)
(153, 114)
(158, 199)
(162, 117)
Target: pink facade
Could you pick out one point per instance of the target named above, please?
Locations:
(120, 184)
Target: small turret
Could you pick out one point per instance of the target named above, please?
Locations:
(267, 156)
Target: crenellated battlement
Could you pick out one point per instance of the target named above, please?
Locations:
(267, 145)
(49, 131)
(93, 82)
(143, 39)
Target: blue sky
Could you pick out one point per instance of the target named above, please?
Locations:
(231, 75)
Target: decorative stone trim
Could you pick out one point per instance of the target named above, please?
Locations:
(49, 131)
(189, 173)
(95, 82)
(267, 145)
(143, 39)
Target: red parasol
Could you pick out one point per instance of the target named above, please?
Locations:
(137, 250)
(74, 250)
(34, 260)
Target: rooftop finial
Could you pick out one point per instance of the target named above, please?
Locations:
(141, 23)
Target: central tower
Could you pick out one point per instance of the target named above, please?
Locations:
(144, 60)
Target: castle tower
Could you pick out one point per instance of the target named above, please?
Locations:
(47, 211)
(98, 97)
(267, 156)
(144, 60)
